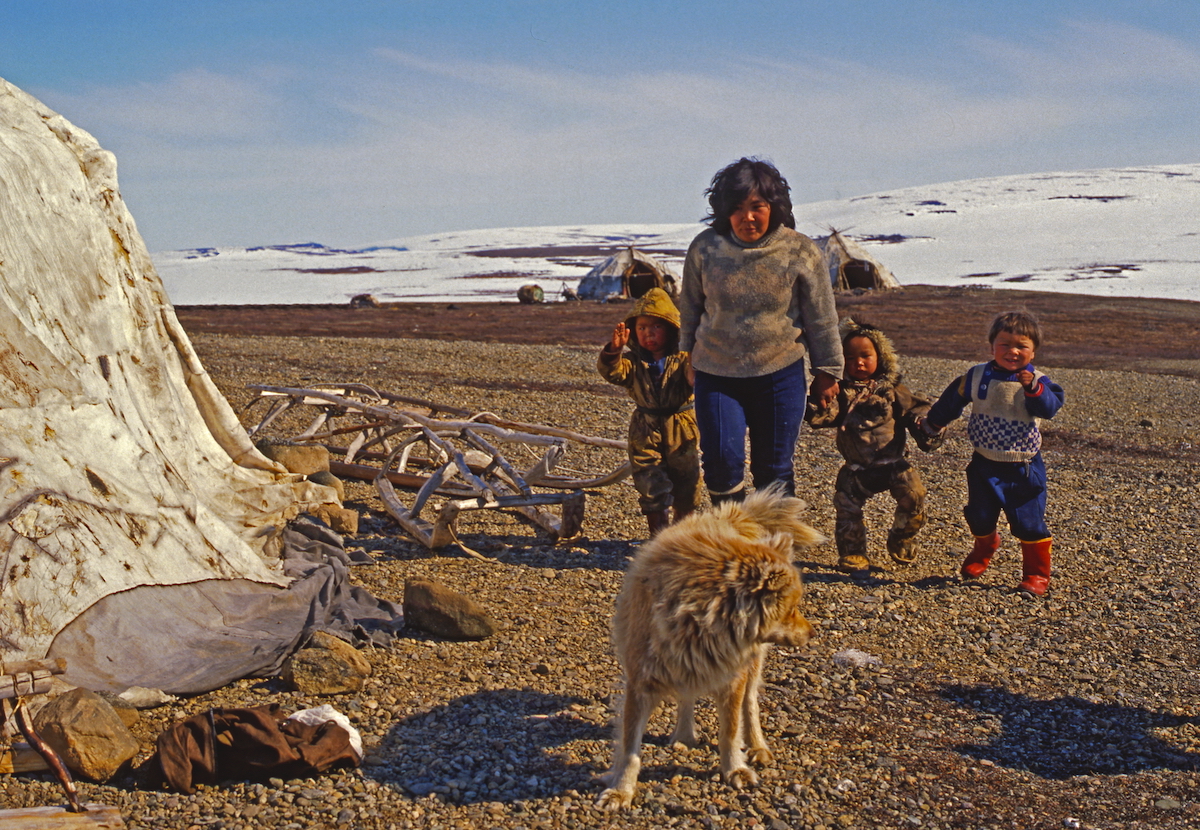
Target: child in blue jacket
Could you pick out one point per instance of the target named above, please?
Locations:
(1008, 399)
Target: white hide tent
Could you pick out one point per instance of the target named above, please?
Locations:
(851, 267)
(136, 518)
(629, 273)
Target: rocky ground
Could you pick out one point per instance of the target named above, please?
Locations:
(979, 707)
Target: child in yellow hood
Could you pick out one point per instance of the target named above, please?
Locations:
(664, 442)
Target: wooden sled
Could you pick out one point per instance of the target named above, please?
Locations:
(459, 455)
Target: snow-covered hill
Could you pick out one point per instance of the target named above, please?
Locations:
(1131, 232)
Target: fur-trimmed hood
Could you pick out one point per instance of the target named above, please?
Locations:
(873, 417)
(888, 370)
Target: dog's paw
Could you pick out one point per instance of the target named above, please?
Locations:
(741, 778)
(760, 756)
(612, 800)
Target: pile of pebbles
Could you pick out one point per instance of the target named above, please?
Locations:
(922, 702)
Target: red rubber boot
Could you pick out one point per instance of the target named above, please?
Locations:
(1035, 567)
(980, 557)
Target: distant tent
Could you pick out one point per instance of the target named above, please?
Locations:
(852, 268)
(627, 274)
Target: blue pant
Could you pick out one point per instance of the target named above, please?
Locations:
(769, 407)
(1017, 489)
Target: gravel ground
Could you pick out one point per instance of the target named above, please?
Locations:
(983, 709)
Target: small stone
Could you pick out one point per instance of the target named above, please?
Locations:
(339, 519)
(328, 479)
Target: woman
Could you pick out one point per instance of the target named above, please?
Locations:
(756, 298)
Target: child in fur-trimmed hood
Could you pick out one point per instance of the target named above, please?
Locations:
(873, 414)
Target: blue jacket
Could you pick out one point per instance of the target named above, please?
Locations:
(1004, 417)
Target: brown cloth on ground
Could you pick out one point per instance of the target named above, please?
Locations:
(256, 744)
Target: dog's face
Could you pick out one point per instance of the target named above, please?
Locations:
(782, 622)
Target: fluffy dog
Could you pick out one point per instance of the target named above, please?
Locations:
(700, 606)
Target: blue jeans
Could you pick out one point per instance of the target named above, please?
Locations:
(770, 408)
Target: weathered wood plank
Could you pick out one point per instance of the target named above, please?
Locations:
(22, 758)
(97, 817)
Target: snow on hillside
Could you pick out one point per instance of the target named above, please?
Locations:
(1131, 232)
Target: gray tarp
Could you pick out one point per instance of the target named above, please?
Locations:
(186, 639)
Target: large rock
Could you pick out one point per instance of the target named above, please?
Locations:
(432, 607)
(88, 735)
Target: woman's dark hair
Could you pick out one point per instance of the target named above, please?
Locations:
(734, 183)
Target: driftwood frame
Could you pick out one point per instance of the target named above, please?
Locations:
(444, 450)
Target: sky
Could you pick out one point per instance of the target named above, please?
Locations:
(248, 122)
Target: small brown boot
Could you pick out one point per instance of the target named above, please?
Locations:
(902, 551)
(852, 555)
(980, 557)
(1035, 567)
(657, 520)
(854, 563)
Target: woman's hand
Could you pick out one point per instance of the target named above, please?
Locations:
(823, 390)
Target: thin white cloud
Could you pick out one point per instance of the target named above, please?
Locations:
(194, 106)
(1097, 56)
(399, 142)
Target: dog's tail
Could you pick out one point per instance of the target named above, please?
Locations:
(775, 512)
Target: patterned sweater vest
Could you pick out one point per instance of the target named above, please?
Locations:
(1000, 427)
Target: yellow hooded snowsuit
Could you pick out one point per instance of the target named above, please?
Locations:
(664, 442)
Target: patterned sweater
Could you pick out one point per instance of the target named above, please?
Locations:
(1004, 417)
(750, 309)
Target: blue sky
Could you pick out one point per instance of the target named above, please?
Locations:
(273, 121)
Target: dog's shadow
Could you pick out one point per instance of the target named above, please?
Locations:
(1069, 736)
(463, 752)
